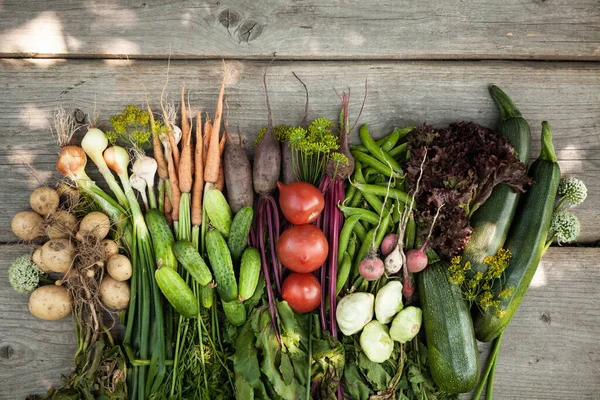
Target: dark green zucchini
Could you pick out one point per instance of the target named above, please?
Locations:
(452, 349)
(491, 221)
(526, 240)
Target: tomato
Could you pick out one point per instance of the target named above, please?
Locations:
(302, 292)
(300, 202)
(302, 248)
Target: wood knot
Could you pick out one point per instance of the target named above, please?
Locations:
(6, 352)
(249, 31)
(546, 317)
(229, 18)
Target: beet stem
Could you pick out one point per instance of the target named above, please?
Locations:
(265, 265)
(277, 232)
(272, 246)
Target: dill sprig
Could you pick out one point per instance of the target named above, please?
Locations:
(479, 288)
(132, 126)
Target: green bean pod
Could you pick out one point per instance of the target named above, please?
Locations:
(345, 233)
(343, 272)
(375, 150)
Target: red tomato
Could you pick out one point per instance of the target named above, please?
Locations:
(302, 292)
(302, 248)
(300, 202)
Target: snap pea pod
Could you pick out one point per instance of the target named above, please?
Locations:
(398, 150)
(343, 272)
(350, 192)
(345, 233)
(365, 215)
(387, 142)
(376, 151)
(375, 163)
(360, 231)
(382, 230)
(352, 246)
(410, 233)
(377, 190)
(356, 199)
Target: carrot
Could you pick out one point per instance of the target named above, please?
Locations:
(220, 183)
(185, 160)
(159, 156)
(168, 209)
(222, 143)
(206, 140)
(213, 159)
(199, 175)
(174, 149)
(175, 192)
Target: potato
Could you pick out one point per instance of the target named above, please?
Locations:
(50, 302)
(114, 294)
(96, 224)
(44, 200)
(58, 255)
(27, 225)
(111, 248)
(61, 225)
(119, 267)
(37, 258)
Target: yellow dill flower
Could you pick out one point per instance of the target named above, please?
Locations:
(505, 293)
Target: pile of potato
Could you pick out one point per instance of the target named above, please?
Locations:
(59, 254)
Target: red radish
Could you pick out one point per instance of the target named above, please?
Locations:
(416, 259)
(371, 268)
(300, 202)
(388, 243)
(408, 288)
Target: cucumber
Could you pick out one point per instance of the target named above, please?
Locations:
(207, 296)
(235, 312)
(191, 260)
(452, 349)
(238, 234)
(218, 210)
(526, 240)
(249, 273)
(491, 222)
(177, 292)
(162, 239)
(222, 266)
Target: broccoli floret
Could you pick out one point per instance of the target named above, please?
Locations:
(24, 275)
(565, 226)
(573, 190)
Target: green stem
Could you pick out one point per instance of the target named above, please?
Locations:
(98, 159)
(492, 360)
(547, 153)
(161, 195)
(308, 370)
(560, 203)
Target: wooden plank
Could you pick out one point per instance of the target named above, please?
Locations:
(305, 29)
(400, 93)
(33, 353)
(550, 349)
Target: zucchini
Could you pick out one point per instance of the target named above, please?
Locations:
(491, 222)
(238, 234)
(162, 239)
(177, 292)
(222, 266)
(218, 210)
(191, 260)
(526, 240)
(249, 273)
(235, 312)
(452, 349)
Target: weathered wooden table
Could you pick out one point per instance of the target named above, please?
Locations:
(426, 61)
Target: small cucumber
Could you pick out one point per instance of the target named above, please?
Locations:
(162, 239)
(526, 240)
(222, 266)
(218, 210)
(191, 260)
(177, 292)
(207, 296)
(249, 273)
(238, 234)
(452, 349)
(235, 312)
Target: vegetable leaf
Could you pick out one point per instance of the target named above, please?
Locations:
(465, 161)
